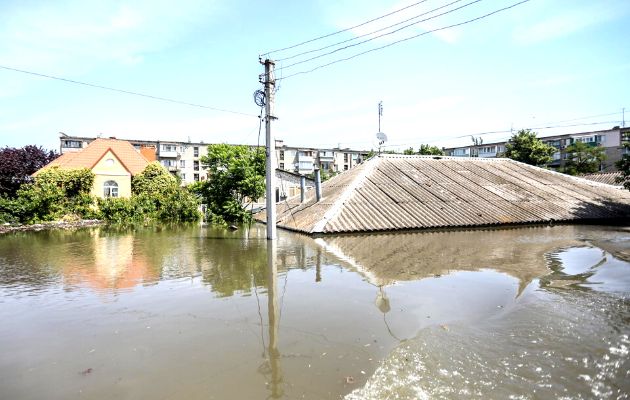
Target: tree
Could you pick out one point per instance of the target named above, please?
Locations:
(624, 167)
(53, 194)
(583, 159)
(428, 150)
(408, 151)
(17, 165)
(525, 147)
(236, 177)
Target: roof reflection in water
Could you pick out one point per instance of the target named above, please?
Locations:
(387, 258)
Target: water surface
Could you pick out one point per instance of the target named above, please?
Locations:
(199, 313)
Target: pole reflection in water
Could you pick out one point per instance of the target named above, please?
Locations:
(382, 303)
(273, 354)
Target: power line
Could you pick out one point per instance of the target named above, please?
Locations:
(378, 36)
(126, 91)
(344, 30)
(405, 39)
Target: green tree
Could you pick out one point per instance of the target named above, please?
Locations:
(583, 159)
(53, 194)
(428, 150)
(624, 167)
(236, 177)
(525, 147)
(409, 151)
(156, 196)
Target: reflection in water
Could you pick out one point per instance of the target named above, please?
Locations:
(480, 314)
(274, 321)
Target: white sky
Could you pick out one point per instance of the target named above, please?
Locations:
(536, 65)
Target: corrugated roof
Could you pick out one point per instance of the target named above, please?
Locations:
(89, 156)
(609, 178)
(396, 192)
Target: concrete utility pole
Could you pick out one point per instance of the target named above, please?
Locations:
(270, 86)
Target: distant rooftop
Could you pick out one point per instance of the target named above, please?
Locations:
(396, 192)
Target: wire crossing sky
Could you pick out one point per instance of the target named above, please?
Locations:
(442, 68)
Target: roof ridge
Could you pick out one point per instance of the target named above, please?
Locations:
(334, 210)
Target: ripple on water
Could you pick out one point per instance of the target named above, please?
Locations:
(551, 346)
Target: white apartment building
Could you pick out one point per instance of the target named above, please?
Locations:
(610, 139)
(181, 158)
(184, 158)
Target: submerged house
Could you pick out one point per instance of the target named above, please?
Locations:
(397, 192)
(112, 161)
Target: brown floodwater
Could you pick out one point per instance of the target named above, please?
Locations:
(192, 312)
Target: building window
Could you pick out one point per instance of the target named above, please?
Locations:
(196, 165)
(281, 165)
(182, 163)
(74, 144)
(109, 162)
(196, 177)
(183, 176)
(110, 189)
(195, 151)
(345, 167)
(169, 147)
(282, 154)
(345, 157)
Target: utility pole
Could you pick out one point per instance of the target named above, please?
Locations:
(623, 117)
(269, 81)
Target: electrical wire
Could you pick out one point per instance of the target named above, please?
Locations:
(406, 39)
(344, 30)
(126, 91)
(378, 30)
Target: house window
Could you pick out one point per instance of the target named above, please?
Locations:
(282, 154)
(110, 189)
(195, 151)
(169, 147)
(196, 177)
(281, 165)
(196, 165)
(345, 167)
(109, 162)
(182, 163)
(183, 177)
(345, 157)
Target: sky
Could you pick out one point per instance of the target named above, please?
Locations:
(540, 64)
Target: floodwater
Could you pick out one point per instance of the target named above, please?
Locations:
(191, 312)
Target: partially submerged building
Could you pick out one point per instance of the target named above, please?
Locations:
(112, 161)
(396, 192)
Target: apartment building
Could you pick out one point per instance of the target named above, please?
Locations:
(181, 158)
(184, 158)
(302, 160)
(611, 139)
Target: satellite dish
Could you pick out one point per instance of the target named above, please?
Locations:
(381, 137)
(259, 98)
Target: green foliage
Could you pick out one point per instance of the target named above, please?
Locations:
(409, 151)
(57, 193)
(158, 196)
(428, 150)
(624, 167)
(525, 147)
(53, 194)
(236, 177)
(583, 159)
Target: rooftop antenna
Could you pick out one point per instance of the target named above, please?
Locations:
(382, 138)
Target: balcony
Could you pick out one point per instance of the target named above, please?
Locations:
(169, 154)
(326, 156)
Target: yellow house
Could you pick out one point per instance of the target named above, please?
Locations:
(112, 161)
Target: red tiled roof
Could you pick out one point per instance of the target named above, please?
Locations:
(91, 155)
